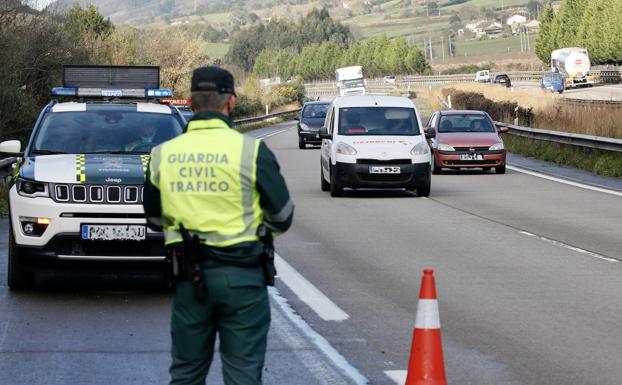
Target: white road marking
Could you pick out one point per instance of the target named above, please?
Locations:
(564, 181)
(573, 248)
(308, 293)
(399, 376)
(272, 134)
(331, 353)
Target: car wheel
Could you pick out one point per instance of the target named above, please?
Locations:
(500, 169)
(18, 278)
(335, 191)
(424, 190)
(560, 91)
(301, 144)
(325, 185)
(435, 169)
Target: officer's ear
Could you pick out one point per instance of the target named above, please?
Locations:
(232, 101)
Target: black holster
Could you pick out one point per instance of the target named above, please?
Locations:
(267, 257)
(184, 263)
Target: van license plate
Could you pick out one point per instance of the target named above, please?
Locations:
(114, 232)
(384, 170)
(471, 157)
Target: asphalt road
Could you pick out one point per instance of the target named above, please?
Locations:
(528, 279)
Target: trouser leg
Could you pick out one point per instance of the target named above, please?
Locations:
(243, 329)
(193, 334)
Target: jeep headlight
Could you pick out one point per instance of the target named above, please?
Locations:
(304, 127)
(345, 149)
(496, 147)
(421, 148)
(445, 147)
(30, 188)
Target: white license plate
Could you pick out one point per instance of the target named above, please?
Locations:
(114, 232)
(471, 157)
(384, 170)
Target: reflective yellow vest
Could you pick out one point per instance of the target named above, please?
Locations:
(206, 179)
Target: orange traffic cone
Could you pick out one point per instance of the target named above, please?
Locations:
(426, 366)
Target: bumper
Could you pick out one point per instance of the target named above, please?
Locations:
(358, 176)
(61, 242)
(310, 137)
(453, 159)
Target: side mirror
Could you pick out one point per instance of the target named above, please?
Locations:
(502, 129)
(11, 147)
(323, 132)
(430, 133)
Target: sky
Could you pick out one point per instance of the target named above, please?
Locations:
(40, 4)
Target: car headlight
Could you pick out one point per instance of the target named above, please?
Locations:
(345, 149)
(31, 188)
(421, 148)
(304, 127)
(497, 147)
(445, 147)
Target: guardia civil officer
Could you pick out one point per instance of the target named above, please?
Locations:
(214, 192)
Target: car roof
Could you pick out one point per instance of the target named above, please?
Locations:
(462, 112)
(372, 101)
(316, 102)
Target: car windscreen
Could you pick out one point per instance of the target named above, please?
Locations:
(355, 83)
(104, 131)
(315, 111)
(378, 121)
(551, 77)
(465, 123)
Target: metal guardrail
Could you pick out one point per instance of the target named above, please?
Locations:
(581, 140)
(264, 118)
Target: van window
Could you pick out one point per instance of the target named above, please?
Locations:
(378, 121)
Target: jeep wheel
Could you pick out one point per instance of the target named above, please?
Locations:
(18, 278)
(301, 144)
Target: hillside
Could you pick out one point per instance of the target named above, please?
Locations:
(416, 20)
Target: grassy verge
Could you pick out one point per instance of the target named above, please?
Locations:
(604, 163)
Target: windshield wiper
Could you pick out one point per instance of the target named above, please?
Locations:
(46, 152)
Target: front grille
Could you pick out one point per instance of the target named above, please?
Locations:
(390, 161)
(468, 149)
(470, 162)
(94, 194)
(384, 177)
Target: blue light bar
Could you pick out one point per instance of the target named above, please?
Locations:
(159, 93)
(147, 93)
(64, 91)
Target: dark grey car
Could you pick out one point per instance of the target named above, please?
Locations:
(311, 119)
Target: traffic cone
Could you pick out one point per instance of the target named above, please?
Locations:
(426, 365)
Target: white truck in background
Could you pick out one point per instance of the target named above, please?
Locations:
(573, 64)
(350, 81)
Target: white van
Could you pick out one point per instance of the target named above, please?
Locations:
(374, 142)
(482, 76)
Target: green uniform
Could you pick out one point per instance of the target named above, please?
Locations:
(221, 185)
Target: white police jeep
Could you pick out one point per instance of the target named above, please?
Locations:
(75, 197)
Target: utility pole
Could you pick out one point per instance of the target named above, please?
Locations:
(425, 49)
(431, 52)
(195, 6)
(449, 44)
(520, 34)
(528, 42)
(443, 48)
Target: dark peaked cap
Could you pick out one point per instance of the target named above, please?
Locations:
(212, 79)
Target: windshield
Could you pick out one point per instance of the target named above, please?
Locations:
(465, 123)
(378, 121)
(104, 131)
(356, 83)
(551, 77)
(315, 111)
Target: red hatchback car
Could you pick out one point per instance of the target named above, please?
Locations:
(466, 139)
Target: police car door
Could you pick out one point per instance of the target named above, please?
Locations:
(327, 143)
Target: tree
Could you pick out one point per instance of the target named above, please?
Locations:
(534, 7)
(544, 41)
